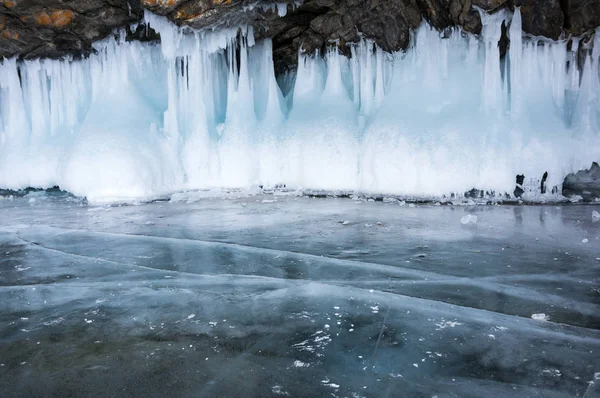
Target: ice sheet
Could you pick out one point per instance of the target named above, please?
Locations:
(265, 295)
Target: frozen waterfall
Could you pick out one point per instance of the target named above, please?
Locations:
(140, 120)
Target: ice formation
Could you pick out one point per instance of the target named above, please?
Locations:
(139, 120)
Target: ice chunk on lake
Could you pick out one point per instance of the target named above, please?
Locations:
(540, 317)
(468, 219)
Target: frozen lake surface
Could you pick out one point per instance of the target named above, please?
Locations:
(292, 296)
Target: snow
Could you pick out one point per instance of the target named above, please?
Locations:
(442, 117)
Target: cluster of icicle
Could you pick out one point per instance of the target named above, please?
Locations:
(140, 120)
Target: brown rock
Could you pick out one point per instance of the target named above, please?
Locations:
(50, 19)
(53, 28)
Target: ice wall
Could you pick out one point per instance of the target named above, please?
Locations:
(140, 120)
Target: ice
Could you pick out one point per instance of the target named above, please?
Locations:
(540, 317)
(282, 9)
(278, 275)
(468, 219)
(445, 116)
(595, 214)
(300, 364)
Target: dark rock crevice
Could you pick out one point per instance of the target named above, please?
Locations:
(565, 5)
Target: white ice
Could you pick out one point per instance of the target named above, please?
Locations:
(468, 219)
(141, 120)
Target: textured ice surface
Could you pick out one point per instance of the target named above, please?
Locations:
(139, 120)
(259, 295)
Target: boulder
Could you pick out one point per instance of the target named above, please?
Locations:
(519, 191)
(585, 183)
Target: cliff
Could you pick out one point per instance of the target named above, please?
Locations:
(53, 28)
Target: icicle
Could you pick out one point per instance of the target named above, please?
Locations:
(585, 117)
(282, 9)
(366, 79)
(355, 65)
(240, 104)
(492, 85)
(379, 83)
(517, 80)
(309, 82)
(12, 108)
(273, 115)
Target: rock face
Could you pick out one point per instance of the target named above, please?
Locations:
(585, 183)
(542, 18)
(52, 28)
